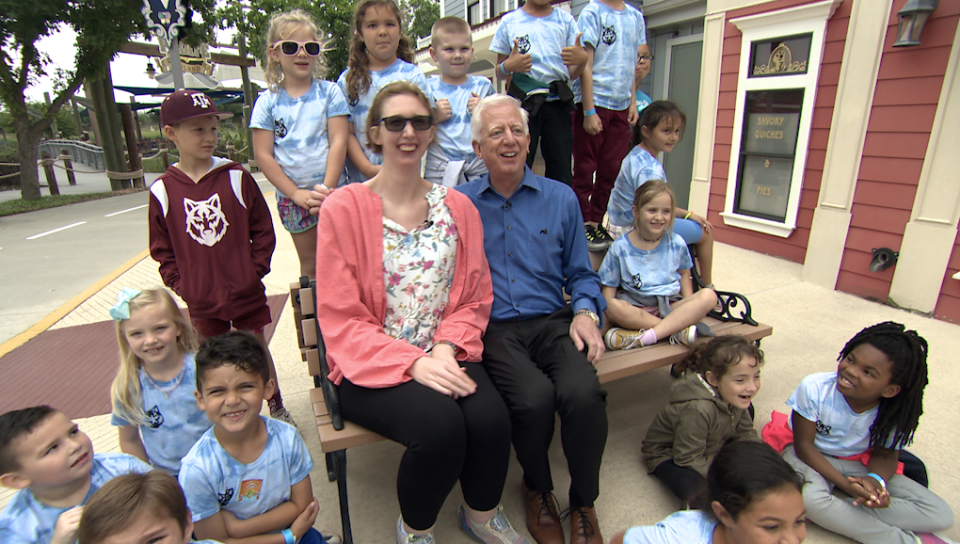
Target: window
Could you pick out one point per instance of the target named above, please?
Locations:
(474, 17)
(498, 7)
(780, 56)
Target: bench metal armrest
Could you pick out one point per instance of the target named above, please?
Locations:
(727, 300)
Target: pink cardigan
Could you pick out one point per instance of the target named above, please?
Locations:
(352, 297)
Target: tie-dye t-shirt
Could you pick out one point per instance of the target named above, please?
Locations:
(299, 126)
(637, 168)
(542, 37)
(213, 480)
(400, 70)
(615, 36)
(174, 423)
(26, 520)
(453, 135)
(640, 272)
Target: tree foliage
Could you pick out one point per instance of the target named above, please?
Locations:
(251, 18)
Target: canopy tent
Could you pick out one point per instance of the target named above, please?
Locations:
(220, 97)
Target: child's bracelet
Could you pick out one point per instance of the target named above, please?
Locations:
(288, 537)
(591, 111)
(504, 70)
(446, 343)
(688, 215)
(877, 477)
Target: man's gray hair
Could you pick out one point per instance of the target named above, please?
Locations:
(476, 125)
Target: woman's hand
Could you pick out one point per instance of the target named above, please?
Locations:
(443, 374)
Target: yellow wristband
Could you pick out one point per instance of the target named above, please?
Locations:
(688, 215)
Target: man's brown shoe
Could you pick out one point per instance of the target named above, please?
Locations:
(584, 527)
(543, 520)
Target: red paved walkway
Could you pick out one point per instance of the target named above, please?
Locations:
(72, 368)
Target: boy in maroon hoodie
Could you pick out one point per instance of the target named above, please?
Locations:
(210, 229)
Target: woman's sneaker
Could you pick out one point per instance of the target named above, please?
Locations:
(684, 336)
(497, 530)
(617, 338)
(403, 537)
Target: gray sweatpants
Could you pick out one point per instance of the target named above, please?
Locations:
(913, 508)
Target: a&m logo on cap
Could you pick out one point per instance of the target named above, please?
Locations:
(200, 100)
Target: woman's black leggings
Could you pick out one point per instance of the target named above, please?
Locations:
(446, 440)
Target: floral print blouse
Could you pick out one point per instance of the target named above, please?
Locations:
(417, 271)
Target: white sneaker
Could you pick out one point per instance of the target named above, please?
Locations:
(685, 336)
(617, 338)
(403, 537)
(497, 530)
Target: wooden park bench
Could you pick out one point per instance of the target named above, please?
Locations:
(337, 435)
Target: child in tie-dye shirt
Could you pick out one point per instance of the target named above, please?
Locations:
(245, 465)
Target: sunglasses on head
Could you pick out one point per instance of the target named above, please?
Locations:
(396, 123)
(290, 47)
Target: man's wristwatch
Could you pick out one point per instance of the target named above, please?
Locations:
(591, 314)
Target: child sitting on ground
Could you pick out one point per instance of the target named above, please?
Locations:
(709, 406)
(247, 475)
(136, 508)
(211, 230)
(154, 407)
(51, 461)
(645, 278)
(450, 158)
(871, 405)
(752, 497)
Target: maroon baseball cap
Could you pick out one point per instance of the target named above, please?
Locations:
(179, 106)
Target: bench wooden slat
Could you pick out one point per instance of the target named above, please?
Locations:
(309, 329)
(306, 301)
(312, 357)
(333, 440)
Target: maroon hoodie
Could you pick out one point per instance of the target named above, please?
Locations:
(213, 239)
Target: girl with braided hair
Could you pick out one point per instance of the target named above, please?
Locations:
(868, 409)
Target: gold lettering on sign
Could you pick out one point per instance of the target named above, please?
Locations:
(764, 191)
(780, 62)
(768, 134)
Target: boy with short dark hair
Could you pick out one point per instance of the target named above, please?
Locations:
(210, 228)
(450, 158)
(538, 55)
(248, 478)
(614, 34)
(51, 461)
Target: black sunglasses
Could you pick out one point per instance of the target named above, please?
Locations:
(395, 123)
(290, 47)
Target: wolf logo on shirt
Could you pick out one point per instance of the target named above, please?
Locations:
(154, 417)
(279, 128)
(205, 220)
(609, 35)
(637, 281)
(224, 498)
(823, 429)
(523, 44)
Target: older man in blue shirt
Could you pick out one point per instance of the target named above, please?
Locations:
(535, 343)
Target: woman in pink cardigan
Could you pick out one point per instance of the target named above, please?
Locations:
(406, 298)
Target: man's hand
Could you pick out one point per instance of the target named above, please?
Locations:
(592, 124)
(472, 102)
(65, 531)
(305, 520)
(574, 54)
(444, 111)
(632, 115)
(517, 62)
(584, 331)
(443, 375)
(317, 196)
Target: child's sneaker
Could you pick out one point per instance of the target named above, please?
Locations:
(403, 537)
(604, 236)
(331, 538)
(594, 243)
(495, 531)
(617, 338)
(684, 336)
(282, 414)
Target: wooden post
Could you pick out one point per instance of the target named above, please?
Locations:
(77, 119)
(68, 164)
(231, 151)
(49, 173)
(136, 117)
(133, 149)
(53, 125)
(164, 158)
(248, 93)
(105, 134)
(115, 126)
(90, 89)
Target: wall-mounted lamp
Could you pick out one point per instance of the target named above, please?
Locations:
(883, 257)
(151, 72)
(913, 17)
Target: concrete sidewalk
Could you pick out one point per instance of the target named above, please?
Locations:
(811, 325)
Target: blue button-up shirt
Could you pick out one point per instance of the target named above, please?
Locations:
(536, 248)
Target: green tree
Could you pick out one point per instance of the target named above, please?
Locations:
(102, 26)
(419, 16)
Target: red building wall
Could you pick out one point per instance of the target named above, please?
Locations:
(793, 248)
(901, 117)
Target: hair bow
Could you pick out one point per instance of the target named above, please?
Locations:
(121, 310)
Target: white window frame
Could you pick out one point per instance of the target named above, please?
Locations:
(806, 19)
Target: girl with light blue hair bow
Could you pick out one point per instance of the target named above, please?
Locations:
(153, 399)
